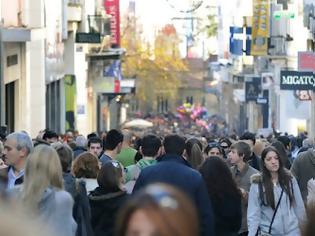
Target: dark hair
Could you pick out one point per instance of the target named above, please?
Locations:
(219, 179)
(109, 177)
(308, 228)
(282, 153)
(50, 134)
(225, 140)
(65, 154)
(171, 211)
(213, 145)
(85, 166)
(193, 149)
(285, 140)
(248, 136)
(150, 145)
(174, 144)
(113, 138)
(284, 178)
(95, 140)
(92, 135)
(243, 149)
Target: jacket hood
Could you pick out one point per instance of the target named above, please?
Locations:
(256, 178)
(94, 196)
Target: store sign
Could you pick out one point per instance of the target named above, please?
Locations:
(112, 8)
(87, 38)
(237, 37)
(297, 80)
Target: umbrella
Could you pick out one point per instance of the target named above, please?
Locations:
(138, 123)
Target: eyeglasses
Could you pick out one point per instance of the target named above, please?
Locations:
(162, 197)
(224, 146)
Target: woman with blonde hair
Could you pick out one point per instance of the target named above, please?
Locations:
(43, 193)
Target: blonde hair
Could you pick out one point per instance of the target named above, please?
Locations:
(43, 170)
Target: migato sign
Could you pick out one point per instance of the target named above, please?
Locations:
(297, 80)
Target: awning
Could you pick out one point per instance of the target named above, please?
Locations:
(113, 53)
(15, 35)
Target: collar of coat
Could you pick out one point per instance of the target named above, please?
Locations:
(174, 158)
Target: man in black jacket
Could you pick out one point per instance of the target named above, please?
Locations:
(173, 169)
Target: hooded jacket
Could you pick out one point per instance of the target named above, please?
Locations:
(104, 207)
(287, 218)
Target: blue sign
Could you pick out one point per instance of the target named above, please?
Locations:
(237, 38)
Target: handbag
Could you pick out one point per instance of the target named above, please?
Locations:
(261, 233)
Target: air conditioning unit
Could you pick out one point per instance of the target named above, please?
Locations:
(277, 46)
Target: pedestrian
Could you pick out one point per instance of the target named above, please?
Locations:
(193, 152)
(275, 204)
(127, 154)
(158, 210)
(225, 196)
(107, 198)
(214, 149)
(173, 169)
(242, 172)
(86, 167)
(42, 191)
(112, 145)
(17, 148)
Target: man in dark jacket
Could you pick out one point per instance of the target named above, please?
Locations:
(173, 169)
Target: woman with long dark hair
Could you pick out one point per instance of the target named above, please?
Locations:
(224, 194)
(275, 205)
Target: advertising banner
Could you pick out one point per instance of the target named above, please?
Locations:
(252, 89)
(70, 100)
(112, 8)
(297, 80)
(237, 38)
(260, 27)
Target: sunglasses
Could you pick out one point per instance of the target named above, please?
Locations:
(162, 197)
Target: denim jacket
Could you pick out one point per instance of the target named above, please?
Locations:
(287, 218)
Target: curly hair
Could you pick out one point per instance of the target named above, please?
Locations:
(85, 166)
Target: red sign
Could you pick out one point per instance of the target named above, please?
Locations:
(112, 8)
(117, 86)
(306, 61)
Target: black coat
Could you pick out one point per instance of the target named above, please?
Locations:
(104, 209)
(228, 215)
(175, 170)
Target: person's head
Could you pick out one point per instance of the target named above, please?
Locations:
(272, 164)
(158, 210)
(43, 170)
(239, 152)
(225, 144)
(281, 150)
(95, 146)
(92, 135)
(50, 136)
(193, 152)
(218, 178)
(286, 141)
(81, 141)
(86, 165)
(174, 144)
(308, 143)
(249, 138)
(259, 147)
(17, 147)
(214, 149)
(113, 141)
(127, 137)
(150, 146)
(69, 136)
(65, 154)
(110, 177)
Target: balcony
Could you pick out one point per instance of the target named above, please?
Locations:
(74, 11)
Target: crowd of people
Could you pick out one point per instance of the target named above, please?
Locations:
(114, 183)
